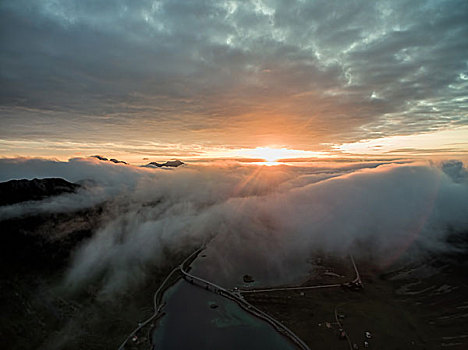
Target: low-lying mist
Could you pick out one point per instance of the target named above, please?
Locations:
(258, 219)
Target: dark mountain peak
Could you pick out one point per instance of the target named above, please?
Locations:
(171, 164)
(113, 160)
(16, 191)
(99, 157)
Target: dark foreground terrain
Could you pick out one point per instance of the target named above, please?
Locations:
(417, 305)
(39, 311)
(412, 303)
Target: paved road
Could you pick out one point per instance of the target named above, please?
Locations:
(157, 310)
(158, 307)
(237, 297)
(341, 325)
(246, 291)
(356, 281)
(358, 276)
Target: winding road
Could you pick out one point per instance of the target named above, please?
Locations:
(236, 296)
(158, 307)
(356, 282)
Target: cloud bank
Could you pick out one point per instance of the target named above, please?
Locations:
(264, 220)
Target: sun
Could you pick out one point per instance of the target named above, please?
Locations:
(266, 155)
(273, 155)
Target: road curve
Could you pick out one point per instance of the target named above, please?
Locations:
(236, 297)
(358, 276)
(157, 310)
(157, 306)
(357, 281)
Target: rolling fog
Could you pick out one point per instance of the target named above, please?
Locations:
(263, 220)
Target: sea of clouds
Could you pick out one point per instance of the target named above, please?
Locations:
(263, 220)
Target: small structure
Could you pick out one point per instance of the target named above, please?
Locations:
(354, 285)
(342, 334)
(248, 278)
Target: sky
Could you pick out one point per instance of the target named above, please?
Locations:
(157, 80)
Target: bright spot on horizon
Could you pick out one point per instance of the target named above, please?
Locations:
(273, 155)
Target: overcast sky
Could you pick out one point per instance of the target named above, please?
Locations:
(177, 78)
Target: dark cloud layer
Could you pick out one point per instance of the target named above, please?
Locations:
(179, 71)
